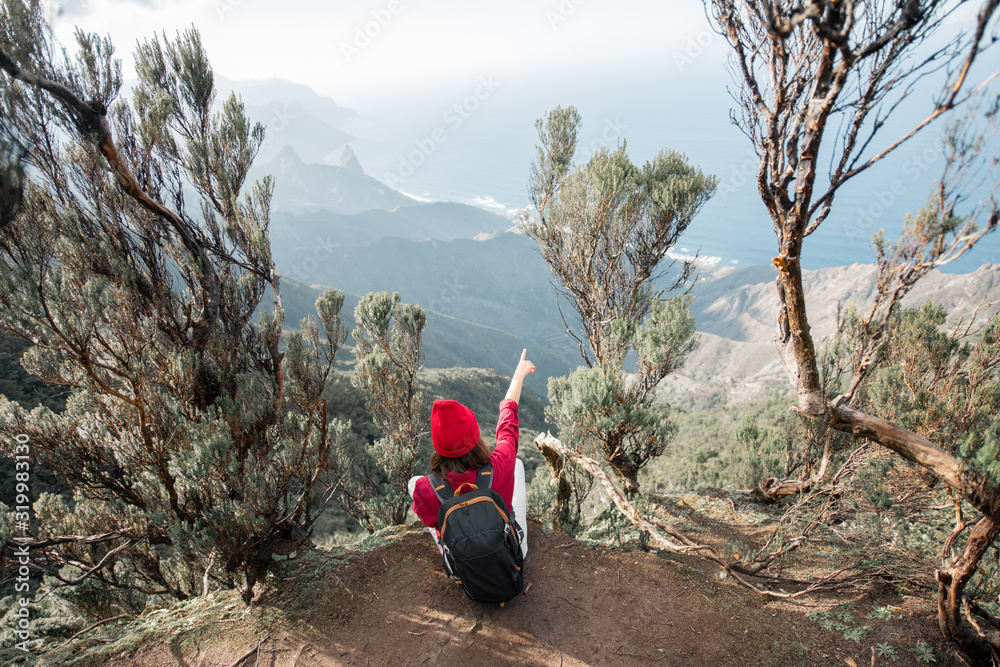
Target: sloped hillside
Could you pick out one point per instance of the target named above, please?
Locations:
(735, 314)
(741, 305)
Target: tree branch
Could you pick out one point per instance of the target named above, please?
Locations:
(91, 123)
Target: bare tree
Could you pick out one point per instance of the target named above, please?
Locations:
(832, 74)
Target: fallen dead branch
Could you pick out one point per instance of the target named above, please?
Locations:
(252, 653)
(634, 655)
(666, 537)
(773, 490)
(682, 544)
(828, 492)
(570, 602)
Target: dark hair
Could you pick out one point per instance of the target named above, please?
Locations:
(479, 455)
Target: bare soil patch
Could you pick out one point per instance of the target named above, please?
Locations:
(585, 605)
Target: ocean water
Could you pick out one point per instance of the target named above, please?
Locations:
(475, 144)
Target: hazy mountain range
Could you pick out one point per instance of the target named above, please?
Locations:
(294, 115)
(485, 286)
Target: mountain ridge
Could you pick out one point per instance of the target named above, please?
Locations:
(486, 291)
(312, 186)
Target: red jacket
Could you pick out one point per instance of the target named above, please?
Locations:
(503, 456)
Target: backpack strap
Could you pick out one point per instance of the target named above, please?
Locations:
(439, 486)
(484, 478)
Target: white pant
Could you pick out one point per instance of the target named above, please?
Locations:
(520, 504)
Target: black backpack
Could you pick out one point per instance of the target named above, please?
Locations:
(481, 543)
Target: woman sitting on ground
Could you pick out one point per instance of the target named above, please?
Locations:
(460, 450)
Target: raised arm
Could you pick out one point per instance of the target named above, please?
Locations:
(523, 368)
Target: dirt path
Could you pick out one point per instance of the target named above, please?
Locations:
(583, 606)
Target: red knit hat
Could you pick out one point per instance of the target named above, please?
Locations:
(454, 429)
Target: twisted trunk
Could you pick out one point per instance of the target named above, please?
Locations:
(564, 490)
(955, 615)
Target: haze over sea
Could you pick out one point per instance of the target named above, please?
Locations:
(481, 152)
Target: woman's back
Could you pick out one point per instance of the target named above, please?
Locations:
(503, 459)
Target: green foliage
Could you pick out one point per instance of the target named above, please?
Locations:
(29, 391)
(611, 527)
(554, 156)
(388, 357)
(924, 652)
(591, 412)
(733, 447)
(52, 618)
(187, 434)
(870, 483)
(842, 620)
(17, 384)
(883, 613)
(765, 453)
(986, 582)
(980, 450)
(541, 495)
(11, 176)
(939, 383)
(604, 227)
(886, 650)
(666, 337)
